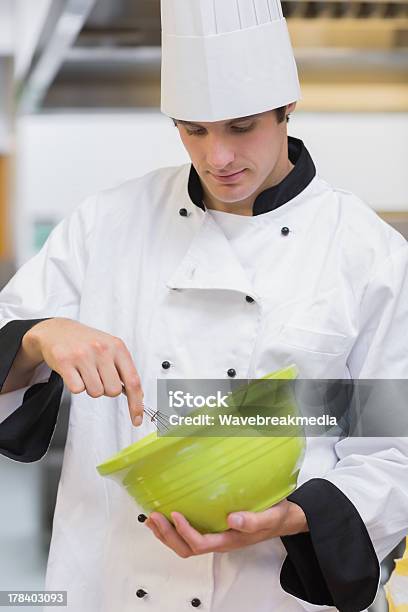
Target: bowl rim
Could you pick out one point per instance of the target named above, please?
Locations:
(141, 449)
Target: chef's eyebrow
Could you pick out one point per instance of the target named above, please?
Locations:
(231, 122)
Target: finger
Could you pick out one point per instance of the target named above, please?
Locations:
(209, 542)
(73, 380)
(170, 536)
(153, 527)
(110, 377)
(92, 380)
(252, 522)
(131, 381)
(137, 419)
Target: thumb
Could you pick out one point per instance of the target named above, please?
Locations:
(250, 522)
(247, 522)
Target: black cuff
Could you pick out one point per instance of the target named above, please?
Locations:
(335, 564)
(11, 336)
(25, 435)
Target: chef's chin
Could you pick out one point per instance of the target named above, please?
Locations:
(232, 194)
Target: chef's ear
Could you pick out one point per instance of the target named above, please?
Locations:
(289, 110)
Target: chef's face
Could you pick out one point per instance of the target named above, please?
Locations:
(237, 159)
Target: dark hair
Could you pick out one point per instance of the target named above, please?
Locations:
(280, 115)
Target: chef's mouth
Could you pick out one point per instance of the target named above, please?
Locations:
(227, 175)
(228, 178)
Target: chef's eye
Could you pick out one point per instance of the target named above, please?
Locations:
(195, 132)
(242, 128)
(236, 129)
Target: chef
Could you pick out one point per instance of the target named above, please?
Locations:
(235, 265)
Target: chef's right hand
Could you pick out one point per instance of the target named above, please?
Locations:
(87, 360)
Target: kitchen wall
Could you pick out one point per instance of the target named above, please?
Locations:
(61, 158)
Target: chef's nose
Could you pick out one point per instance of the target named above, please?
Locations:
(219, 153)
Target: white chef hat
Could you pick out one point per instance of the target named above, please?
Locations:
(223, 59)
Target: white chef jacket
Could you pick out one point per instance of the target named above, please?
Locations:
(330, 294)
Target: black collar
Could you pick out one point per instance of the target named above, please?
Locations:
(297, 180)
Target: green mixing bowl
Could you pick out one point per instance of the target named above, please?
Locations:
(205, 477)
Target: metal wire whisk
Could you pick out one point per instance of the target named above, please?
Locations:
(158, 418)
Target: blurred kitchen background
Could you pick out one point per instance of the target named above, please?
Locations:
(79, 112)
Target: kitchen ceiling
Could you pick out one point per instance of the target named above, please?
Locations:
(106, 53)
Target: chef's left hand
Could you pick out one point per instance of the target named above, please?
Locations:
(246, 528)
